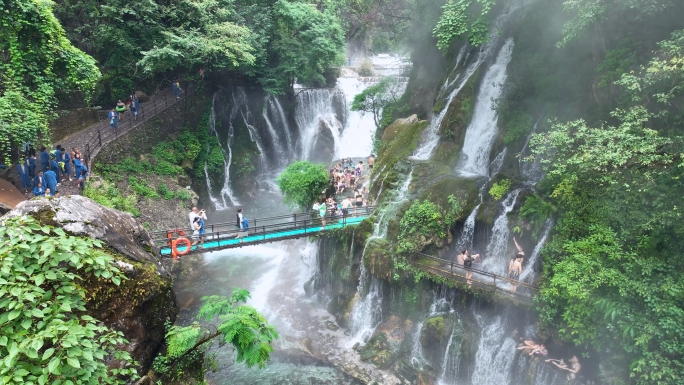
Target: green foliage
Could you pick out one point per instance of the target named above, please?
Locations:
(164, 192)
(376, 97)
(302, 183)
(616, 62)
(141, 188)
(366, 68)
(426, 220)
(517, 124)
(458, 20)
(536, 210)
(499, 189)
(239, 325)
(45, 335)
(109, 196)
(613, 271)
(183, 195)
(304, 43)
(37, 63)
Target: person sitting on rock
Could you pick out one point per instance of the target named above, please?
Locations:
(38, 190)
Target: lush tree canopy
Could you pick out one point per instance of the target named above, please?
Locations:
(459, 18)
(37, 63)
(376, 97)
(302, 183)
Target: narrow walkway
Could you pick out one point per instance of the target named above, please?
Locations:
(92, 139)
(484, 280)
(265, 230)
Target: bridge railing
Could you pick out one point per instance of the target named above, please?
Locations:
(480, 278)
(262, 227)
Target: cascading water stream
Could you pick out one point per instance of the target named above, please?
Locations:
(452, 358)
(482, 130)
(220, 202)
(241, 106)
(494, 260)
(495, 353)
(278, 145)
(278, 114)
(465, 240)
(528, 273)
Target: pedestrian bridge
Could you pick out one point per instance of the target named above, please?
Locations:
(261, 230)
(497, 285)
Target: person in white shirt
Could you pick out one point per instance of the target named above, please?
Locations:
(195, 213)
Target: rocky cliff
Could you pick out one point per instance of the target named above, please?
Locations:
(141, 305)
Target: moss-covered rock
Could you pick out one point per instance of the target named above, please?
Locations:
(384, 346)
(378, 259)
(145, 301)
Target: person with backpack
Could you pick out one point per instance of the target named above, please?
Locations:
(239, 217)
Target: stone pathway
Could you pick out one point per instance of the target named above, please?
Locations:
(92, 139)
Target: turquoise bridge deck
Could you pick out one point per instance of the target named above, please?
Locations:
(226, 235)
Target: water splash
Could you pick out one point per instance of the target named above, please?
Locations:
(482, 130)
(495, 353)
(241, 107)
(367, 314)
(495, 260)
(465, 240)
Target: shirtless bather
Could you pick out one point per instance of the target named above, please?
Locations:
(573, 369)
(533, 348)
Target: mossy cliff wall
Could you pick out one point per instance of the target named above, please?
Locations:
(145, 301)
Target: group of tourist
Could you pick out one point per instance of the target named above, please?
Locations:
(117, 114)
(197, 224)
(330, 208)
(346, 175)
(45, 174)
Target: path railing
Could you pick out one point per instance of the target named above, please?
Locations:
(263, 230)
(157, 103)
(480, 278)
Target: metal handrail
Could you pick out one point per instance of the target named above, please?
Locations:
(147, 111)
(229, 231)
(257, 222)
(520, 284)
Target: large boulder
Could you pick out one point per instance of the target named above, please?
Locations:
(384, 347)
(141, 305)
(323, 147)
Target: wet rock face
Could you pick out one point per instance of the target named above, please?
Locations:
(323, 149)
(141, 305)
(384, 347)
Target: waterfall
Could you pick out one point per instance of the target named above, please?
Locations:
(532, 171)
(220, 202)
(367, 314)
(278, 145)
(356, 139)
(495, 260)
(495, 353)
(465, 240)
(318, 110)
(452, 359)
(278, 114)
(528, 270)
(430, 138)
(438, 306)
(241, 106)
(497, 163)
(482, 130)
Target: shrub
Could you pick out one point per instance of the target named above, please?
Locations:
(45, 335)
(183, 195)
(366, 68)
(163, 167)
(499, 189)
(109, 196)
(165, 192)
(302, 183)
(141, 188)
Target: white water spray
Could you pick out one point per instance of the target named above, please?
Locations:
(528, 273)
(495, 260)
(220, 202)
(495, 353)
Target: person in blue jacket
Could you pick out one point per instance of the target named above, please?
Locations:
(44, 159)
(23, 169)
(54, 166)
(39, 178)
(32, 165)
(38, 190)
(58, 154)
(50, 182)
(66, 172)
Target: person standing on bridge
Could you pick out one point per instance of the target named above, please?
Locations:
(198, 231)
(515, 272)
(468, 265)
(346, 204)
(195, 213)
